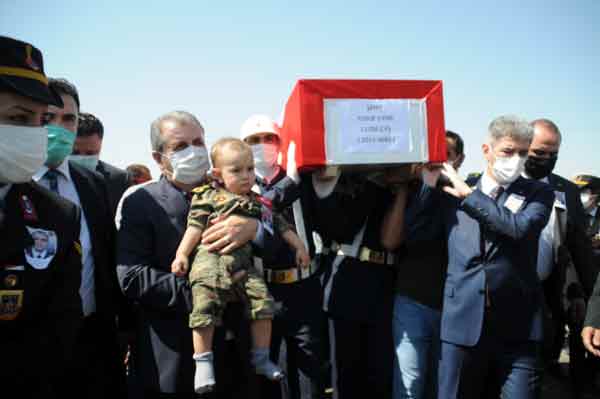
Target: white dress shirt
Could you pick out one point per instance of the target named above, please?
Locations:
(550, 238)
(489, 185)
(67, 190)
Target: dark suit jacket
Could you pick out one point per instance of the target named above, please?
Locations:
(490, 246)
(577, 243)
(92, 195)
(117, 181)
(51, 316)
(152, 222)
(593, 313)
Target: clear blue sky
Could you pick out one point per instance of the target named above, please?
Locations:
(222, 61)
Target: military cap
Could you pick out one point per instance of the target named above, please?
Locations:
(587, 182)
(22, 71)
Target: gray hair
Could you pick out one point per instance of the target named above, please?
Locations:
(510, 126)
(180, 117)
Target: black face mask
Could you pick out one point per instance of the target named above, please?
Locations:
(538, 168)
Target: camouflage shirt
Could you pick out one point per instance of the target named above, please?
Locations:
(210, 202)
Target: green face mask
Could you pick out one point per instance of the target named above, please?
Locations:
(87, 161)
(60, 144)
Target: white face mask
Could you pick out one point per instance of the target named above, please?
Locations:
(508, 169)
(265, 157)
(87, 161)
(190, 164)
(23, 150)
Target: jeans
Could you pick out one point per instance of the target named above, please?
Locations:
(416, 329)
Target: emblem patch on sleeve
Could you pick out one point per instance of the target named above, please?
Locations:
(11, 302)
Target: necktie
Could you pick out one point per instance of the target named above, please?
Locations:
(484, 236)
(496, 193)
(52, 176)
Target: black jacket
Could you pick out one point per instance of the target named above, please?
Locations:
(50, 316)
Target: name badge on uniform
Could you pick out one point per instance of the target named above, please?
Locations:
(11, 302)
(514, 202)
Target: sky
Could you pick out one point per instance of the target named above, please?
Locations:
(223, 61)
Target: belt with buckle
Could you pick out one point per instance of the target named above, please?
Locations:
(289, 275)
(365, 254)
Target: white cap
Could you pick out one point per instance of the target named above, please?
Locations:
(258, 124)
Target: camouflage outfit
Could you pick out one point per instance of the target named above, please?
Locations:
(210, 275)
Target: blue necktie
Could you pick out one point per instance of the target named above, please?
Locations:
(52, 176)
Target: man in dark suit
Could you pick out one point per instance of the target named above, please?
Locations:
(40, 308)
(590, 192)
(589, 189)
(97, 371)
(491, 317)
(563, 241)
(151, 224)
(86, 152)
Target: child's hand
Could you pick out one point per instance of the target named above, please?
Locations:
(302, 258)
(180, 265)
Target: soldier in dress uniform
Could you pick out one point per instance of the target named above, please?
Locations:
(40, 307)
(299, 327)
(358, 293)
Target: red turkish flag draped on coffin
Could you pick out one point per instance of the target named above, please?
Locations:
(362, 122)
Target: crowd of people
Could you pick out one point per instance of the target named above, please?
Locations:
(230, 276)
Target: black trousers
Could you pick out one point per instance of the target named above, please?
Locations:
(97, 370)
(298, 341)
(233, 371)
(364, 358)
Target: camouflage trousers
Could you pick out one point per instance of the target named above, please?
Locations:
(212, 288)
